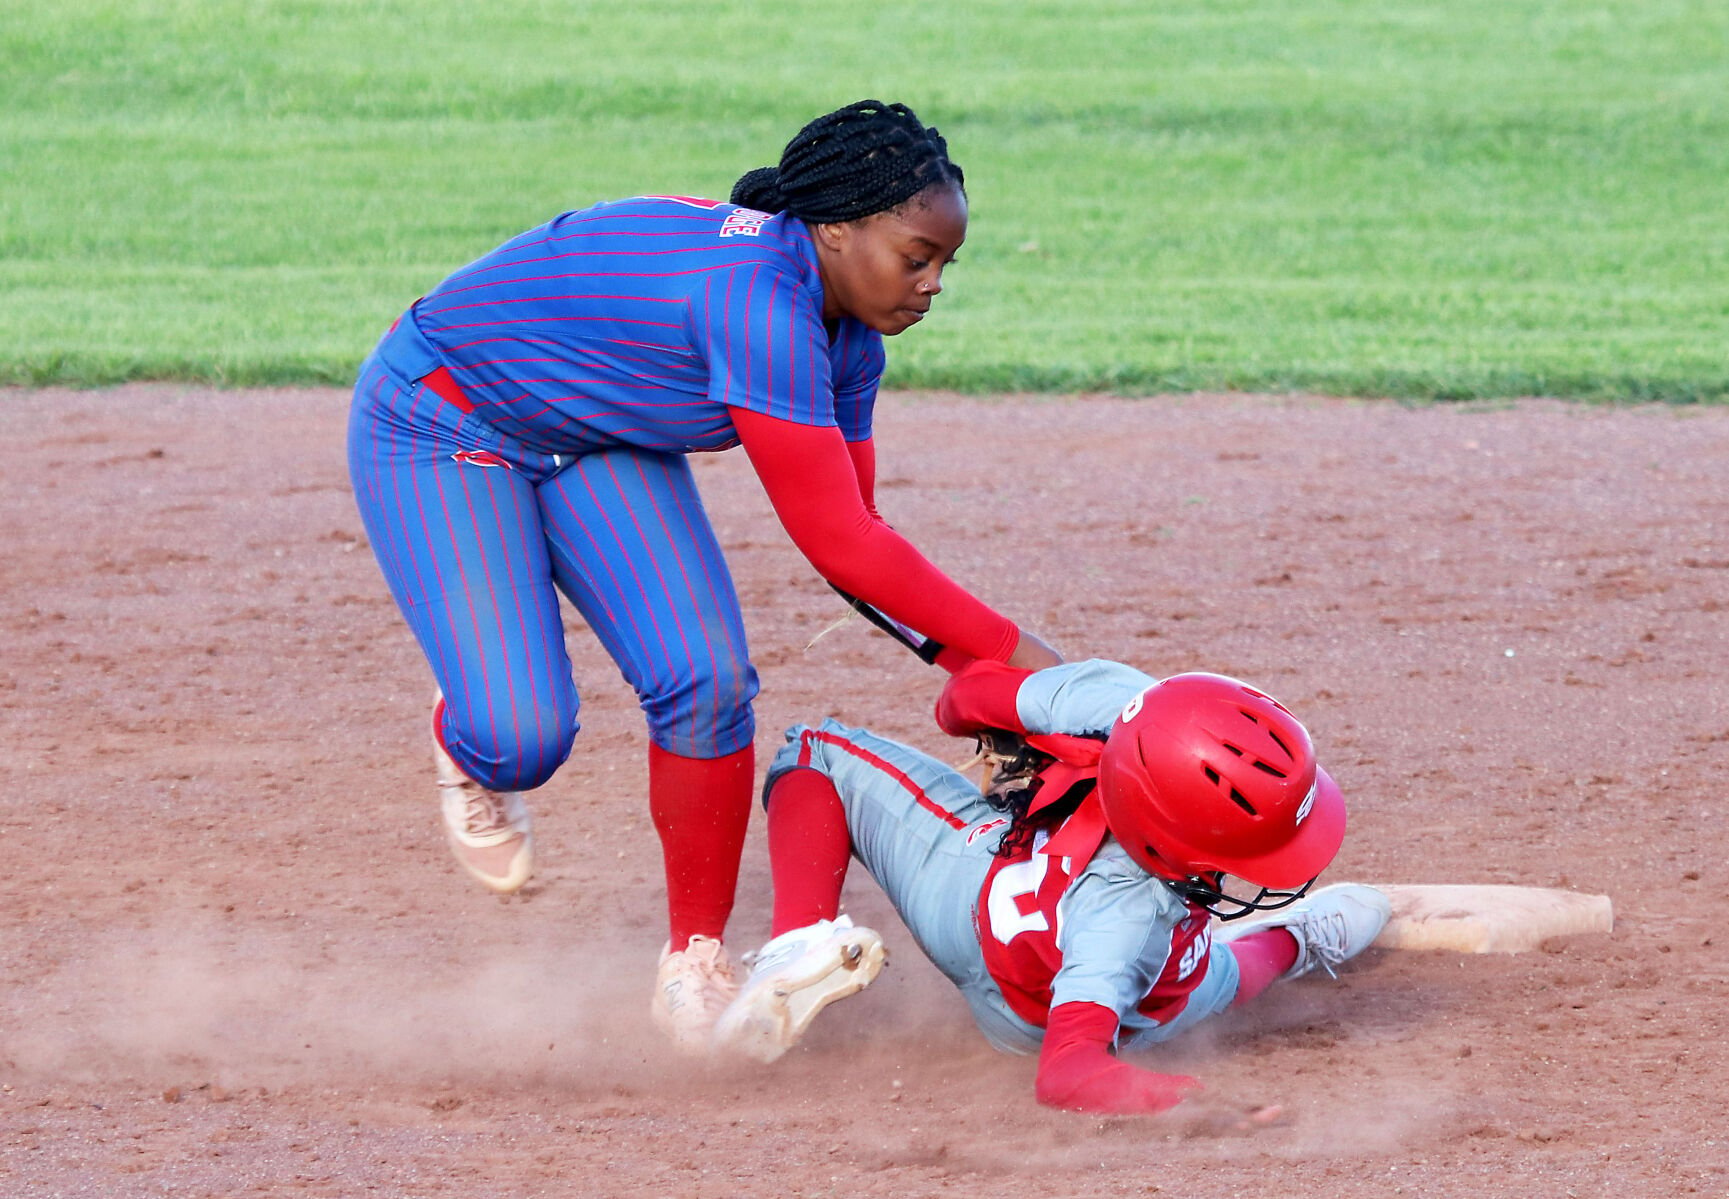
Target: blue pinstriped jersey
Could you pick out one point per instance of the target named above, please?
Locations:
(640, 321)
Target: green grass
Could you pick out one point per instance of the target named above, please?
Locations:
(1474, 199)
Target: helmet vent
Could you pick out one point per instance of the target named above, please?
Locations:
(1237, 797)
(1272, 770)
(1232, 748)
(1281, 745)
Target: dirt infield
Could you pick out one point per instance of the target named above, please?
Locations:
(236, 960)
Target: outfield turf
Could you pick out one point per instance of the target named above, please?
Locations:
(1480, 198)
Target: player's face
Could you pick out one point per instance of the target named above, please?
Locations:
(885, 270)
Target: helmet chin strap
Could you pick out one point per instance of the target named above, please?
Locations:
(1207, 892)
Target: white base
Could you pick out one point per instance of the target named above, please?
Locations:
(1488, 918)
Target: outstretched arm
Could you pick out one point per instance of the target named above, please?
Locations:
(813, 481)
(864, 465)
(1078, 1072)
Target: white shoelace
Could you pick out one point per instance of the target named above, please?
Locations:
(483, 814)
(1329, 950)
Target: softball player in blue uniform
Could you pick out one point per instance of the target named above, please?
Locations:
(521, 432)
(1072, 911)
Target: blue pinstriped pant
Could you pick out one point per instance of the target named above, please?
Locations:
(474, 531)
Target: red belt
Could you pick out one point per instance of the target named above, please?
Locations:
(442, 383)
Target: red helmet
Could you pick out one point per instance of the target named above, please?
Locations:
(1204, 774)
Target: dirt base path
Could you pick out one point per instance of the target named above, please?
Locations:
(236, 960)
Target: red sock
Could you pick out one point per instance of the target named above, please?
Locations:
(700, 808)
(1261, 958)
(809, 849)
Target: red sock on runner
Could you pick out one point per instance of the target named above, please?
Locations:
(809, 849)
(1261, 958)
(700, 808)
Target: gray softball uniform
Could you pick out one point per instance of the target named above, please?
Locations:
(1109, 933)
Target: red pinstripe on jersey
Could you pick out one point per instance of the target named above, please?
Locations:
(636, 322)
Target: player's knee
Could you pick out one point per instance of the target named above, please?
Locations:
(785, 761)
(516, 748)
(787, 757)
(707, 715)
(797, 785)
(729, 686)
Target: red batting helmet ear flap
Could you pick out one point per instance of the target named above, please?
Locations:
(1206, 774)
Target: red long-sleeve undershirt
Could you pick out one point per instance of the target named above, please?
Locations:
(981, 695)
(822, 489)
(1077, 1071)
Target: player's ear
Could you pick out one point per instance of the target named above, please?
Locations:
(832, 237)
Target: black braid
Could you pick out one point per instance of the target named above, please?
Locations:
(1019, 836)
(858, 160)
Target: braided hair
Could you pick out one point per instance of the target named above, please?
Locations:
(1017, 779)
(1024, 827)
(865, 158)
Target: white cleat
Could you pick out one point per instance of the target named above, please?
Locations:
(694, 986)
(489, 831)
(794, 977)
(1332, 926)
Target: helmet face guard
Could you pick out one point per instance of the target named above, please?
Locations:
(1208, 892)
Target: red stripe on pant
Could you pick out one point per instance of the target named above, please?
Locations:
(888, 768)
